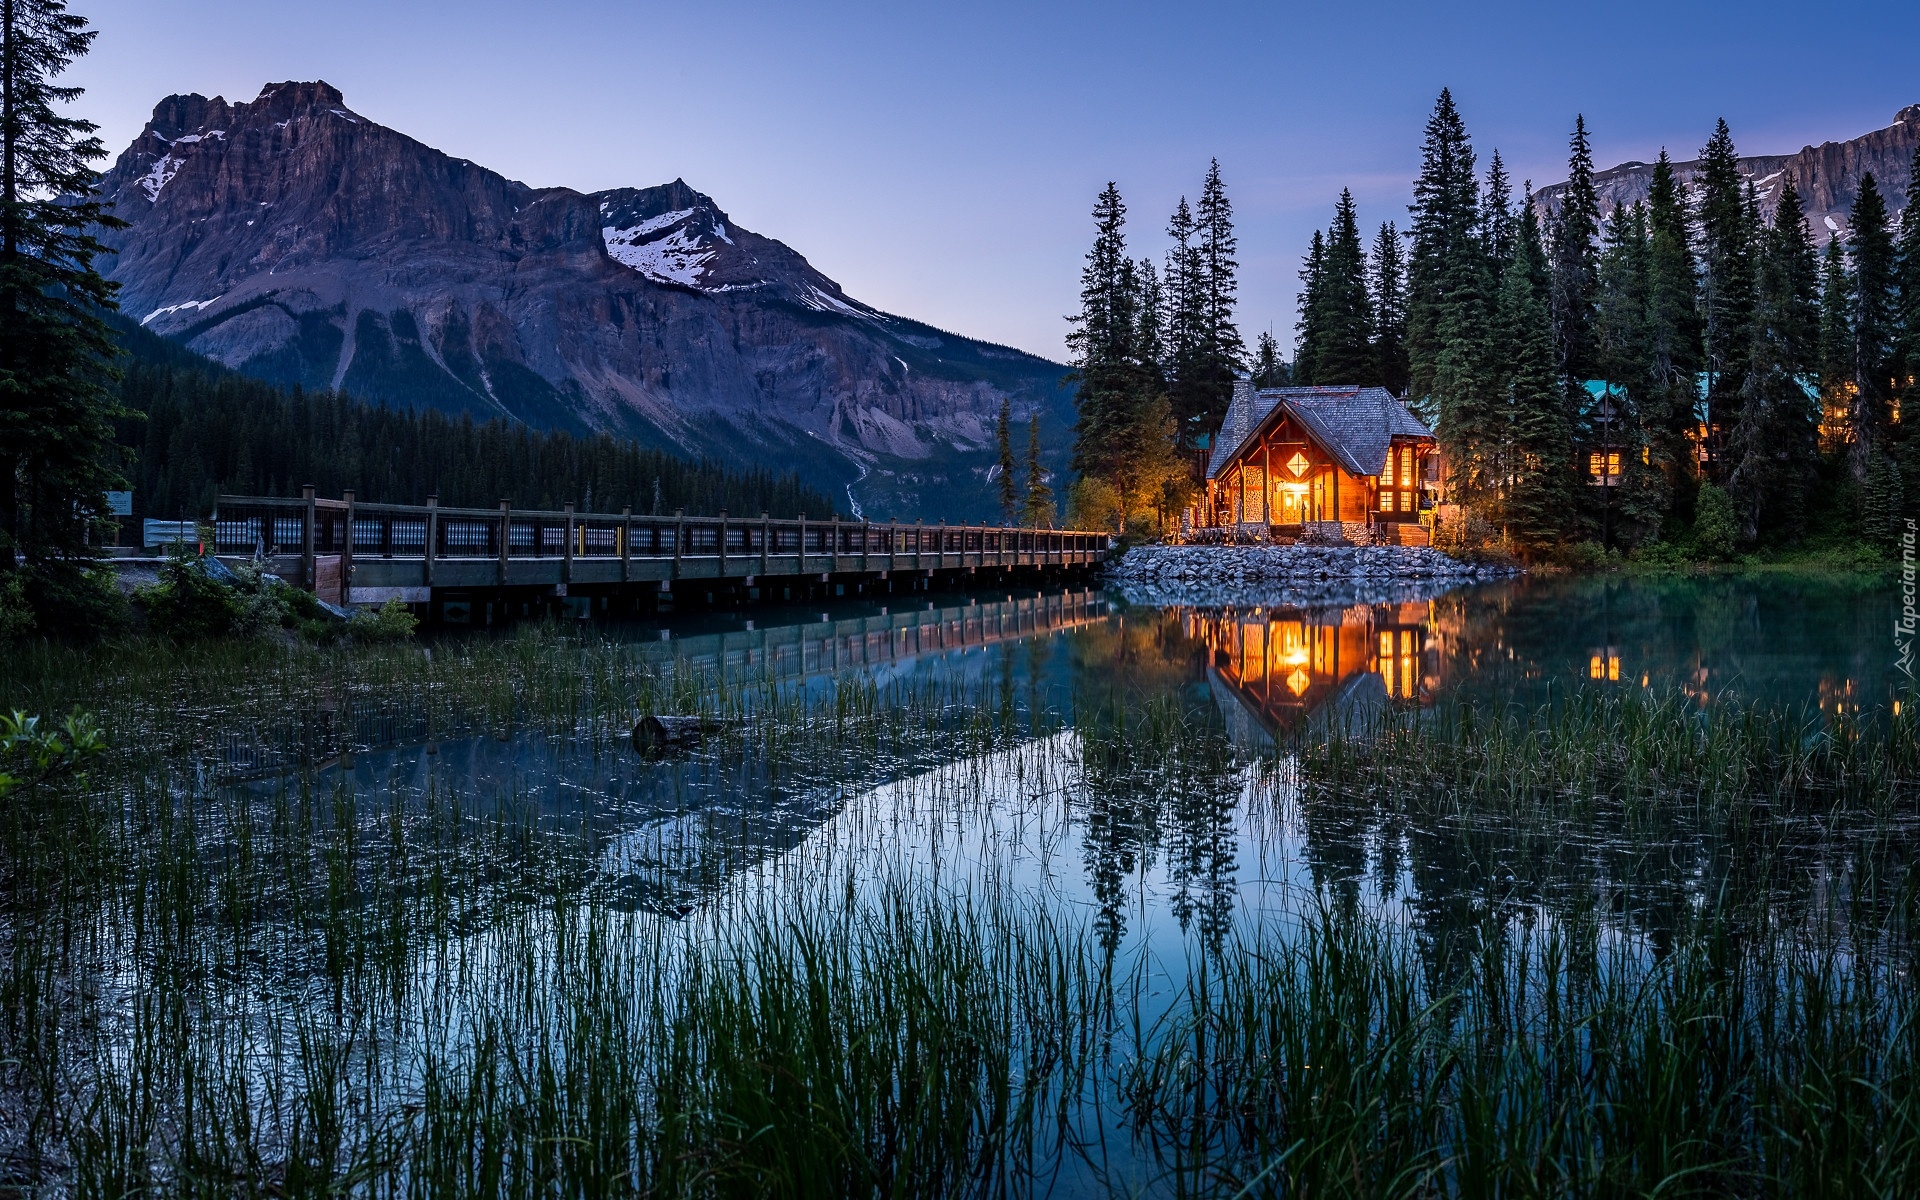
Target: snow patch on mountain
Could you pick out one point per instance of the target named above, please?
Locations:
(170, 309)
(677, 258)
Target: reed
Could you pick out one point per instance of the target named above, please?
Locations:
(857, 978)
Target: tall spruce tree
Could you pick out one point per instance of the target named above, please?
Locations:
(1269, 370)
(1309, 333)
(1185, 327)
(57, 372)
(1669, 412)
(1874, 325)
(1773, 453)
(1500, 228)
(1003, 441)
(1727, 237)
(1836, 340)
(1345, 323)
(1387, 284)
(1225, 352)
(1575, 235)
(1537, 467)
(1907, 284)
(1446, 247)
(1036, 510)
(1623, 349)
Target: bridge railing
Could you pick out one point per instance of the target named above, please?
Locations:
(310, 526)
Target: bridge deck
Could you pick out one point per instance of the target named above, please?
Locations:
(367, 553)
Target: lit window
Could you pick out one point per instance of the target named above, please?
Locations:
(1298, 464)
(1386, 500)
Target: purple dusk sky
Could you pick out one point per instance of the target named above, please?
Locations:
(939, 160)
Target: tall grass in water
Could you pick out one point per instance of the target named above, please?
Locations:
(306, 990)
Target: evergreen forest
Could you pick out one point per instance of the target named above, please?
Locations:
(1728, 385)
(194, 430)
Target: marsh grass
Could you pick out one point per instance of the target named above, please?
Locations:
(295, 987)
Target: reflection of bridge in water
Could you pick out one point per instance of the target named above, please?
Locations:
(826, 647)
(1287, 666)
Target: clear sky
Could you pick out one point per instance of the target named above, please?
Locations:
(939, 160)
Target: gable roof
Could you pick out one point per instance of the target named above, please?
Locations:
(1356, 425)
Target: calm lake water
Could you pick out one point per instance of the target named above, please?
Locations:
(681, 830)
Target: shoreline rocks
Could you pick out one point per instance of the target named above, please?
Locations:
(1299, 574)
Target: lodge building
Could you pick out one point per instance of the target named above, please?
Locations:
(1350, 462)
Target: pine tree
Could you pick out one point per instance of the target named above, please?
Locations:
(1225, 352)
(1003, 439)
(1445, 221)
(1150, 343)
(1500, 226)
(1101, 341)
(1345, 324)
(57, 374)
(1576, 268)
(1726, 279)
(1774, 450)
(1836, 332)
(1874, 317)
(1387, 283)
(1907, 284)
(1623, 350)
(1537, 468)
(1308, 332)
(1668, 413)
(1185, 327)
(1036, 511)
(1269, 371)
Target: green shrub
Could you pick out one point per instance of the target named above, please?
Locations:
(70, 601)
(1716, 529)
(391, 622)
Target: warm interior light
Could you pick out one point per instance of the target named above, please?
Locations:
(1298, 464)
(1299, 682)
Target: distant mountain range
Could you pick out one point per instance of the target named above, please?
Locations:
(295, 240)
(1827, 176)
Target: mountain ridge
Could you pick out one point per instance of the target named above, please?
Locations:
(297, 240)
(1827, 176)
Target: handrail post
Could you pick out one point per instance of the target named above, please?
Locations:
(306, 540)
(833, 551)
(346, 552)
(626, 544)
(679, 538)
(566, 552)
(432, 535)
(766, 540)
(506, 537)
(866, 529)
(800, 563)
(723, 544)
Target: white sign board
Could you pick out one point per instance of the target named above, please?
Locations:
(120, 504)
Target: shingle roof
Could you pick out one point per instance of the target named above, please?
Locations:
(1355, 424)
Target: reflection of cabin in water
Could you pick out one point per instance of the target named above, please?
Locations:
(1350, 460)
(1285, 665)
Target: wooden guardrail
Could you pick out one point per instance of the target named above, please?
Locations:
(401, 548)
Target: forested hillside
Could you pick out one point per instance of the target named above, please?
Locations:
(200, 430)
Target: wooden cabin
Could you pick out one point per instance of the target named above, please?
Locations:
(1352, 460)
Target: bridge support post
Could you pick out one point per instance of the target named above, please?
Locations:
(506, 537)
(306, 538)
(723, 543)
(346, 552)
(679, 538)
(566, 555)
(626, 544)
(766, 541)
(433, 539)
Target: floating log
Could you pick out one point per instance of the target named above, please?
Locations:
(656, 734)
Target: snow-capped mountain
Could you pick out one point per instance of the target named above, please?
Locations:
(1827, 176)
(294, 239)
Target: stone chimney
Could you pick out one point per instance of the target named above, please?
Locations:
(1241, 418)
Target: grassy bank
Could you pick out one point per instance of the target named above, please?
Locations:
(303, 987)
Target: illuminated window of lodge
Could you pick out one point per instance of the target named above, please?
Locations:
(1605, 465)
(1604, 666)
(1298, 464)
(1399, 662)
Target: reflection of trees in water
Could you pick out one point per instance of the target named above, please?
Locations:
(1159, 782)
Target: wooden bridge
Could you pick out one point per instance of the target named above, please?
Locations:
(355, 553)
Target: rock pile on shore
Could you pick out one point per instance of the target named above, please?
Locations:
(1200, 574)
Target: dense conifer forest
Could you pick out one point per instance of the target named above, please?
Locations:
(194, 430)
(1678, 376)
